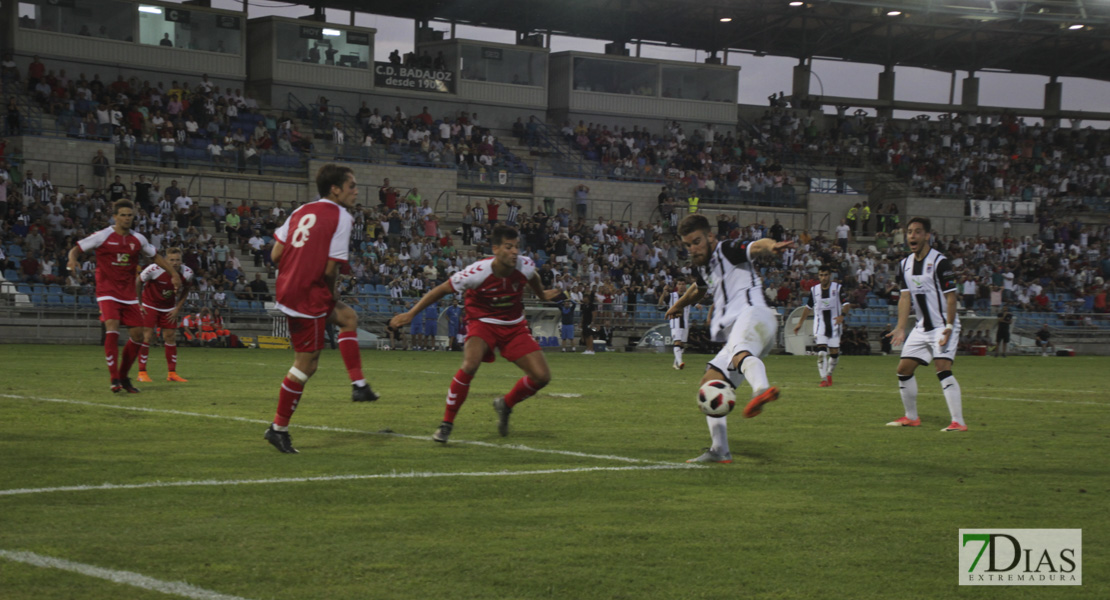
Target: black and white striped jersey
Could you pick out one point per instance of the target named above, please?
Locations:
(734, 282)
(826, 305)
(683, 321)
(927, 281)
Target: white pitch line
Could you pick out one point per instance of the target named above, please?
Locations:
(183, 413)
(176, 588)
(557, 395)
(393, 475)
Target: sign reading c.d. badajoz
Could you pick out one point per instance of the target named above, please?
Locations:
(1021, 557)
(389, 75)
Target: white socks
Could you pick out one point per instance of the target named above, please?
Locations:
(678, 355)
(718, 431)
(952, 395)
(830, 365)
(907, 386)
(822, 369)
(756, 374)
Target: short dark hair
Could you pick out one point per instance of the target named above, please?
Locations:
(824, 269)
(693, 223)
(501, 233)
(926, 224)
(121, 203)
(329, 175)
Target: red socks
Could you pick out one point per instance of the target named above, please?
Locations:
(171, 357)
(456, 395)
(525, 388)
(352, 359)
(111, 352)
(287, 401)
(130, 353)
(144, 351)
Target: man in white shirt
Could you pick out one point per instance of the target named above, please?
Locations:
(842, 233)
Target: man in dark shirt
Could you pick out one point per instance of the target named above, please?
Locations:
(117, 190)
(142, 193)
(1044, 340)
(1002, 337)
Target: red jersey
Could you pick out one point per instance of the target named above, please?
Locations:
(117, 260)
(314, 234)
(493, 299)
(158, 292)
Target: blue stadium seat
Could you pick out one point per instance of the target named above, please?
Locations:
(37, 299)
(86, 301)
(39, 289)
(53, 300)
(23, 288)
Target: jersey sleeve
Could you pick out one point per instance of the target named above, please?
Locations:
(147, 247)
(150, 273)
(470, 277)
(341, 239)
(901, 277)
(94, 241)
(282, 233)
(945, 277)
(736, 252)
(186, 273)
(526, 266)
(700, 281)
(809, 298)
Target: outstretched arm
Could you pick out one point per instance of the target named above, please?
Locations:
(432, 296)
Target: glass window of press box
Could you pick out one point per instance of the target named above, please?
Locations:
(189, 29)
(692, 83)
(615, 77)
(503, 65)
(321, 45)
(105, 19)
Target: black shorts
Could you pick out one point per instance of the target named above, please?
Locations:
(1002, 336)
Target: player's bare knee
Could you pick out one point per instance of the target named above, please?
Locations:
(739, 358)
(541, 378)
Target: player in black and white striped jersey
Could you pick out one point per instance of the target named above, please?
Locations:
(929, 286)
(829, 310)
(680, 325)
(741, 318)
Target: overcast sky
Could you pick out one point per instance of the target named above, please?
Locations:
(759, 76)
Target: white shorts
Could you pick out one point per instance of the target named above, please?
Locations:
(922, 346)
(679, 335)
(753, 332)
(831, 342)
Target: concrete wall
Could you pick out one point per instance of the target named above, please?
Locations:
(51, 155)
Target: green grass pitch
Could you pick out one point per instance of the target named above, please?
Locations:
(589, 496)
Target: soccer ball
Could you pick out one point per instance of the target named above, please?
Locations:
(716, 398)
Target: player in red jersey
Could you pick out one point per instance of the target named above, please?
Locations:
(308, 249)
(161, 306)
(117, 259)
(494, 289)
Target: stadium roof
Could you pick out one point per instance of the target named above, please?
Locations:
(1049, 37)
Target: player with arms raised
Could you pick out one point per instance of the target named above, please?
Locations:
(494, 308)
(680, 326)
(161, 306)
(929, 285)
(308, 249)
(118, 249)
(829, 311)
(741, 318)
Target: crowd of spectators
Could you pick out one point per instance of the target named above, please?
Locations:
(185, 120)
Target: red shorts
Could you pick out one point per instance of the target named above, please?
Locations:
(307, 335)
(126, 314)
(514, 341)
(153, 319)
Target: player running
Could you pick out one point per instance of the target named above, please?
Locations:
(680, 326)
(161, 306)
(741, 318)
(929, 285)
(117, 258)
(494, 289)
(308, 249)
(829, 310)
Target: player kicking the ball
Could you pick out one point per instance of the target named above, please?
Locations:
(741, 318)
(117, 258)
(494, 290)
(161, 309)
(308, 249)
(929, 285)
